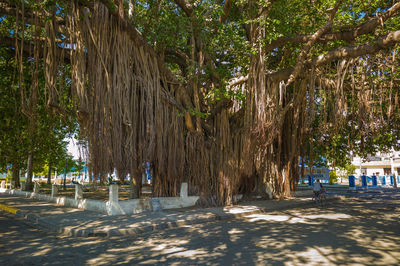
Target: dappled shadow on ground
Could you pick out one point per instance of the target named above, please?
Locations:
(363, 231)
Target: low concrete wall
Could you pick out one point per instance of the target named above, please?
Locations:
(136, 205)
(111, 207)
(154, 204)
(86, 204)
(178, 202)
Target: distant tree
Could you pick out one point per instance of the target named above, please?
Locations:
(25, 143)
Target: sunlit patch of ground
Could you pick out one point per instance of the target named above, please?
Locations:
(347, 232)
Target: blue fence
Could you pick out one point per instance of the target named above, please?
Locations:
(364, 181)
(373, 181)
(352, 181)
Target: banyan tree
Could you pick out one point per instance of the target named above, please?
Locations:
(225, 95)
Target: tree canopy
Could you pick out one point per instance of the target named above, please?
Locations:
(226, 95)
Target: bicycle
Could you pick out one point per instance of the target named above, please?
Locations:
(319, 198)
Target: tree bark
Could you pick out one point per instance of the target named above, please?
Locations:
(49, 175)
(132, 189)
(29, 171)
(15, 174)
(138, 185)
(131, 8)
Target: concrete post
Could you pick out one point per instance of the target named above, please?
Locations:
(23, 186)
(132, 190)
(352, 182)
(54, 190)
(364, 181)
(113, 194)
(3, 184)
(36, 188)
(394, 184)
(155, 202)
(268, 190)
(374, 181)
(113, 207)
(12, 184)
(184, 190)
(78, 192)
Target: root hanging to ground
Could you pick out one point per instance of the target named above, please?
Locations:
(132, 111)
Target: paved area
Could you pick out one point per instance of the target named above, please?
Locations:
(361, 229)
(76, 222)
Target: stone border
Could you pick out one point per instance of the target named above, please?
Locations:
(113, 206)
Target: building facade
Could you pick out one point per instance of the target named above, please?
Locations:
(381, 164)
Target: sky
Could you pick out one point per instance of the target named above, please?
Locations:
(73, 148)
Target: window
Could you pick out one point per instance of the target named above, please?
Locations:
(363, 171)
(387, 171)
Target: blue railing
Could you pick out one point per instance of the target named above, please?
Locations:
(372, 181)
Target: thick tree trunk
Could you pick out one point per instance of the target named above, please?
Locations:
(138, 185)
(29, 171)
(49, 175)
(90, 173)
(132, 189)
(15, 175)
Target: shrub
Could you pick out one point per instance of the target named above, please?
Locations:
(332, 177)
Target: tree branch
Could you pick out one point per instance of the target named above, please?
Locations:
(12, 11)
(265, 9)
(304, 53)
(352, 51)
(382, 43)
(10, 43)
(227, 9)
(178, 57)
(348, 36)
(186, 7)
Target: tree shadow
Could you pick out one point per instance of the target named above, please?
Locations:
(360, 231)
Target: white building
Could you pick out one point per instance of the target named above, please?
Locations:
(321, 173)
(381, 164)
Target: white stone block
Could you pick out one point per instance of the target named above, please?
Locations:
(268, 191)
(184, 190)
(113, 208)
(36, 188)
(78, 191)
(113, 193)
(54, 190)
(156, 205)
(3, 184)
